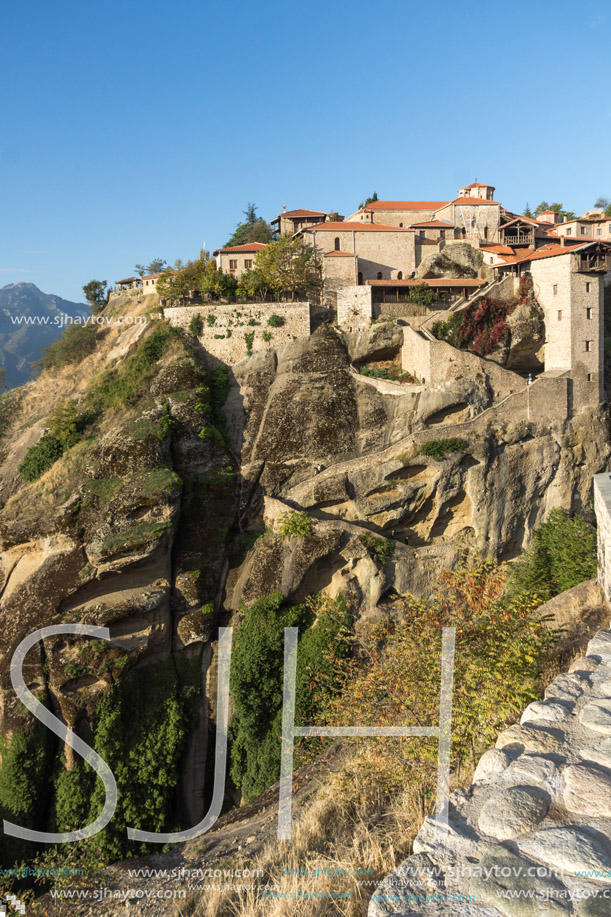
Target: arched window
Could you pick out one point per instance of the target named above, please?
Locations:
(401, 225)
(379, 275)
(360, 278)
(400, 275)
(337, 243)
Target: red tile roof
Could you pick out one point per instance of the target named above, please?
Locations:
(248, 247)
(300, 213)
(354, 227)
(432, 224)
(546, 251)
(128, 280)
(473, 200)
(478, 184)
(498, 249)
(405, 205)
(430, 282)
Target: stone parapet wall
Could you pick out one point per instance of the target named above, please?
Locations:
(223, 337)
(527, 834)
(602, 508)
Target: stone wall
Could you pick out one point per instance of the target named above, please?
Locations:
(602, 507)
(526, 836)
(354, 308)
(225, 326)
(435, 362)
(386, 251)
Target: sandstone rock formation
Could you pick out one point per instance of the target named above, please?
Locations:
(456, 259)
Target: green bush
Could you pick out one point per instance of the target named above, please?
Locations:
(562, 554)
(196, 325)
(379, 549)
(296, 524)
(9, 405)
(438, 448)
(76, 343)
(219, 390)
(211, 318)
(276, 321)
(257, 681)
(249, 337)
(40, 457)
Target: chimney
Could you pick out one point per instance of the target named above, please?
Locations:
(284, 208)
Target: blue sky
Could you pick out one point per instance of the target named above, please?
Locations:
(131, 130)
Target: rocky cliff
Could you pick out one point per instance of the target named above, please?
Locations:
(162, 517)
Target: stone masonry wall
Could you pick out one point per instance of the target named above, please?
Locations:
(354, 308)
(532, 834)
(602, 507)
(238, 319)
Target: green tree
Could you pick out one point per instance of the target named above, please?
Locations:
(527, 211)
(369, 200)
(251, 285)
(156, 266)
(252, 229)
(96, 295)
(562, 554)
(601, 203)
(196, 325)
(286, 266)
(3, 384)
(557, 208)
(66, 423)
(541, 207)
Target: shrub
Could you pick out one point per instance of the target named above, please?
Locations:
(479, 327)
(76, 343)
(296, 524)
(379, 549)
(219, 390)
(211, 318)
(40, 457)
(66, 424)
(392, 373)
(249, 337)
(257, 660)
(562, 554)
(393, 675)
(267, 336)
(9, 405)
(196, 325)
(438, 448)
(276, 321)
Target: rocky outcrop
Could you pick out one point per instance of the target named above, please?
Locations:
(456, 259)
(532, 834)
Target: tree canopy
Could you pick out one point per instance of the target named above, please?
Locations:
(603, 203)
(285, 266)
(252, 229)
(557, 208)
(95, 294)
(156, 266)
(201, 276)
(369, 200)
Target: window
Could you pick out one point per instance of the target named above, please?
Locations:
(555, 289)
(588, 313)
(422, 234)
(588, 286)
(247, 263)
(337, 243)
(583, 230)
(360, 281)
(485, 232)
(559, 315)
(599, 232)
(569, 232)
(442, 233)
(232, 264)
(589, 346)
(401, 225)
(400, 275)
(379, 275)
(590, 377)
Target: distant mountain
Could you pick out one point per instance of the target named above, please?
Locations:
(29, 321)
